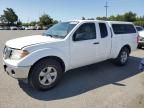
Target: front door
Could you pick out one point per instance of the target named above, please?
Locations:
(84, 45)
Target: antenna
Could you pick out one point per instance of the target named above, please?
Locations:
(106, 6)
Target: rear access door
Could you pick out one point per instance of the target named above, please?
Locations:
(105, 40)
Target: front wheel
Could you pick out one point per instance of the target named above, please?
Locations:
(45, 74)
(123, 56)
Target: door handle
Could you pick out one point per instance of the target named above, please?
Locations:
(96, 43)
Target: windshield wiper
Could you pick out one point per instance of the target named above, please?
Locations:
(48, 35)
(52, 36)
(57, 36)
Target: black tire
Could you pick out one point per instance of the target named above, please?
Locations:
(118, 61)
(34, 77)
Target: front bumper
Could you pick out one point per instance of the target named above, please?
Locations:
(141, 43)
(17, 72)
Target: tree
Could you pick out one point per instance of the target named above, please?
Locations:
(130, 16)
(55, 21)
(45, 20)
(19, 23)
(139, 23)
(112, 18)
(120, 18)
(90, 19)
(83, 18)
(101, 18)
(33, 23)
(3, 20)
(10, 16)
(25, 24)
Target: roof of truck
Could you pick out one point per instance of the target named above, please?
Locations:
(111, 22)
(119, 22)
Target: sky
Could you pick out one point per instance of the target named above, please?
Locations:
(63, 10)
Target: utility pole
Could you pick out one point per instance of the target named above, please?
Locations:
(106, 6)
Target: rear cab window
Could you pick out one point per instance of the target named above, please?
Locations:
(123, 28)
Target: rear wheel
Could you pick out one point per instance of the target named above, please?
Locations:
(45, 74)
(123, 56)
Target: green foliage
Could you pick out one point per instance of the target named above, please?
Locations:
(112, 18)
(33, 23)
(45, 20)
(140, 23)
(25, 24)
(129, 16)
(90, 19)
(19, 23)
(3, 19)
(55, 22)
(101, 18)
(83, 18)
(10, 16)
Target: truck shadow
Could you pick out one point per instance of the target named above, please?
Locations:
(81, 80)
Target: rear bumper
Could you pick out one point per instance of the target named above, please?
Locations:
(16, 72)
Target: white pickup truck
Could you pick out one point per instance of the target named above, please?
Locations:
(42, 59)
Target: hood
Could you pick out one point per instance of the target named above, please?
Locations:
(141, 33)
(19, 43)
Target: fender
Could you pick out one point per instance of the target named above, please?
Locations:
(45, 52)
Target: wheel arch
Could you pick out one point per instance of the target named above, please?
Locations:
(127, 46)
(58, 59)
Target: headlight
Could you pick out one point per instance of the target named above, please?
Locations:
(18, 54)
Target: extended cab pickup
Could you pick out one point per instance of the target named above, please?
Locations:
(42, 59)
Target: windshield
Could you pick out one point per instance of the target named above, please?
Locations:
(60, 30)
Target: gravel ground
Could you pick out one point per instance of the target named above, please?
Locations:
(101, 85)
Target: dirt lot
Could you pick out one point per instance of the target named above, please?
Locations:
(101, 85)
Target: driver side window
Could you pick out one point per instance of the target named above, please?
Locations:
(86, 31)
